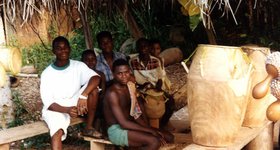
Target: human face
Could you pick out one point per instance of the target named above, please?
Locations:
(61, 51)
(106, 44)
(156, 49)
(90, 61)
(122, 74)
(144, 48)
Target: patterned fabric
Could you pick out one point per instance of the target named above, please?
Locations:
(135, 110)
(136, 64)
(103, 66)
(150, 73)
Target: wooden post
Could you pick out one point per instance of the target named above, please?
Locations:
(96, 146)
(264, 141)
(5, 146)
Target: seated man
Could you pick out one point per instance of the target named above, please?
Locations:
(151, 77)
(126, 128)
(108, 56)
(68, 89)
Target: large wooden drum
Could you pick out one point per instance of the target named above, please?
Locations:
(256, 108)
(217, 87)
(10, 58)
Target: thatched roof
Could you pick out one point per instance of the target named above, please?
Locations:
(27, 8)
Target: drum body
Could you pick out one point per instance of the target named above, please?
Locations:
(154, 106)
(217, 87)
(10, 58)
(256, 108)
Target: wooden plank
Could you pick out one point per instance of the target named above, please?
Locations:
(97, 146)
(244, 136)
(29, 130)
(264, 141)
(97, 140)
(5, 147)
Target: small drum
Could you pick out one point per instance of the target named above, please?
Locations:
(154, 107)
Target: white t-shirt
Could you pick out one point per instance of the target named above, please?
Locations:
(62, 87)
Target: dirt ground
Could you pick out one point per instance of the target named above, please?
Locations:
(28, 92)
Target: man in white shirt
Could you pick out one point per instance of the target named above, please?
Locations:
(68, 89)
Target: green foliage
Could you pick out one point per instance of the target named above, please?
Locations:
(115, 25)
(52, 30)
(194, 21)
(77, 43)
(38, 55)
(19, 111)
(37, 142)
(147, 21)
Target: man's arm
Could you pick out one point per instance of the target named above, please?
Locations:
(72, 111)
(92, 84)
(82, 102)
(117, 110)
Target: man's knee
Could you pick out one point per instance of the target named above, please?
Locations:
(94, 92)
(58, 134)
(154, 141)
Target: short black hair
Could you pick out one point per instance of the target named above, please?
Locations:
(119, 62)
(154, 41)
(87, 52)
(60, 39)
(141, 40)
(103, 34)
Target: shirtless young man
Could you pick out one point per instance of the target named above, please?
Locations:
(123, 129)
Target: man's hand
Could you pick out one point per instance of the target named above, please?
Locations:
(159, 135)
(82, 107)
(73, 112)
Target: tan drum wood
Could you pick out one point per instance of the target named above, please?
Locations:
(217, 89)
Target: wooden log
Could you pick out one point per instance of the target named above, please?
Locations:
(171, 56)
(264, 141)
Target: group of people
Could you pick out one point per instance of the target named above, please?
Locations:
(97, 86)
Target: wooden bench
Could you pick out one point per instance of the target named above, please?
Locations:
(10, 135)
(99, 144)
(260, 138)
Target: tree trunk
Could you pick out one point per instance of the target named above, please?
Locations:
(251, 21)
(86, 27)
(129, 19)
(211, 36)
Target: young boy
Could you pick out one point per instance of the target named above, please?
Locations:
(89, 58)
(156, 47)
